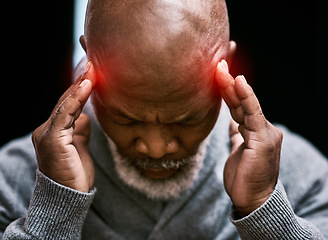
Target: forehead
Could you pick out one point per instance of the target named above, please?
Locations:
(154, 94)
(156, 74)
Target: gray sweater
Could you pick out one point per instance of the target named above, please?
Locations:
(32, 206)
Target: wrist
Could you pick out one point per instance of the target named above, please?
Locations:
(251, 206)
(275, 219)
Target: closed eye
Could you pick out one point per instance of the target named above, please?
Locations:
(126, 122)
(190, 122)
(193, 120)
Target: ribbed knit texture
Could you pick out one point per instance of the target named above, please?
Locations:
(63, 213)
(273, 220)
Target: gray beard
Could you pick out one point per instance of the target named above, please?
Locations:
(163, 189)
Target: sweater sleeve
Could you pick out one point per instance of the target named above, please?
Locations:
(55, 212)
(275, 219)
(298, 207)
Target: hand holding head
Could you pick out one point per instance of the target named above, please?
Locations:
(61, 143)
(252, 169)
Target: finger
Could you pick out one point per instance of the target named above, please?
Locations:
(226, 85)
(253, 116)
(246, 94)
(228, 92)
(224, 79)
(67, 93)
(79, 68)
(88, 67)
(90, 73)
(81, 140)
(238, 114)
(82, 129)
(235, 137)
(71, 107)
(72, 101)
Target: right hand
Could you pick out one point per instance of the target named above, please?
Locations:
(252, 169)
(61, 143)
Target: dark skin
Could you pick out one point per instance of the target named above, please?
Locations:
(146, 122)
(155, 94)
(171, 122)
(252, 169)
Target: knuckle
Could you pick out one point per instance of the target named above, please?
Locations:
(42, 135)
(38, 134)
(273, 138)
(39, 139)
(275, 143)
(59, 110)
(68, 107)
(277, 133)
(271, 147)
(35, 136)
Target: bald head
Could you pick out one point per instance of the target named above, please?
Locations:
(162, 37)
(155, 61)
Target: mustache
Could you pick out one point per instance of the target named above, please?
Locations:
(162, 163)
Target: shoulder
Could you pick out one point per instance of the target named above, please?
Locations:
(296, 146)
(17, 176)
(303, 168)
(18, 156)
(299, 153)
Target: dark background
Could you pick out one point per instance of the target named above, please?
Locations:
(282, 51)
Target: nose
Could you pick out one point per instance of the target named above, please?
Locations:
(156, 142)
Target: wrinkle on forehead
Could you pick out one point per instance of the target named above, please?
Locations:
(143, 107)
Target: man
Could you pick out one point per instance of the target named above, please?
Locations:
(160, 157)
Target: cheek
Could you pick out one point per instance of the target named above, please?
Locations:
(120, 135)
(190, 138)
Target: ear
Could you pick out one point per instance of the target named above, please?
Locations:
(83, 44)
(231, 51)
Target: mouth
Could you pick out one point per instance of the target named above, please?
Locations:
(150, 163)
(159, 168)
(156, 173)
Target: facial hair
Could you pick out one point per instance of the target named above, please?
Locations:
(187, 171)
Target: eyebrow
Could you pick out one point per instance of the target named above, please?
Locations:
(187, 117)
(184, 118)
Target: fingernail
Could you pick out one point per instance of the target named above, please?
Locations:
(223, 66)
(243, 78)
(84, 82)
(87, 67)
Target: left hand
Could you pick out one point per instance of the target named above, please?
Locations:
(252, 169)
(61, 143)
